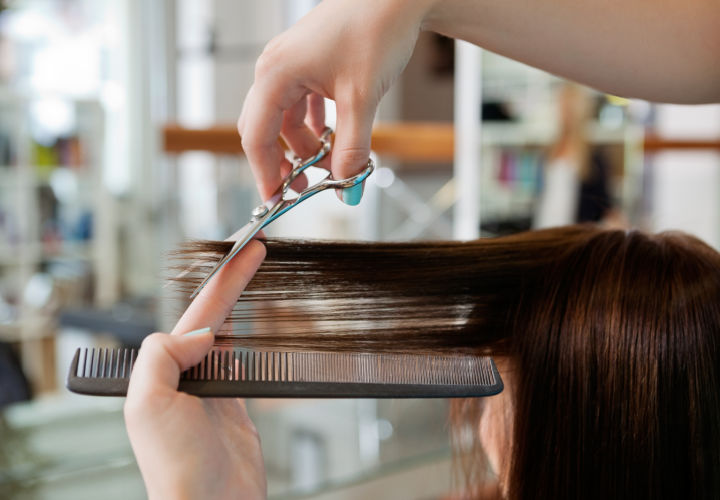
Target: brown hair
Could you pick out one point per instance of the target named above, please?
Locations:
(614, 336)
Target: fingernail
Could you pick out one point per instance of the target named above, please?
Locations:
(200, 331)
(352, 195)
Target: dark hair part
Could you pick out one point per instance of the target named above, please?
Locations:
(614, 336)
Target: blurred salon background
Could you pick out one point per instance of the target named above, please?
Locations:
(117, 142)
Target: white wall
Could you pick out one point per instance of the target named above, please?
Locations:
(686, 185)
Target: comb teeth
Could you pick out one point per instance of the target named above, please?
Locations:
(241, 372)
(366, 368)
(104, 363)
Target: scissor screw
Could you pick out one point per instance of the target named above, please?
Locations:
(259, 211)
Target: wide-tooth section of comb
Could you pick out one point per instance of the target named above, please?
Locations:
(247, 373)
(102, 372)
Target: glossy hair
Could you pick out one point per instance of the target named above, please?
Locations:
(613, 337)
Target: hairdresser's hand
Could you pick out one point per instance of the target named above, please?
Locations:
(345, 50)
(187, 447)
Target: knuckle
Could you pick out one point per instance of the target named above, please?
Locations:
(239, 124)
(153, 341)
(358, 95)
(274, 43)
(352, 158)
(263, 65)
(270, 59)
(252, 143)
(245, 141)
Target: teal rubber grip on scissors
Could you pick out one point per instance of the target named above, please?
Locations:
(352, 195)
(282, 200)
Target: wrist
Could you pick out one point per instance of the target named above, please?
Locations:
(419, 10)
(435, 16)
(456, 18)
(161, 493)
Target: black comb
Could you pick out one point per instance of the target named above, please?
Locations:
(247, 373)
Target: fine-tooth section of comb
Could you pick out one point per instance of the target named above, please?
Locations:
(248, 373)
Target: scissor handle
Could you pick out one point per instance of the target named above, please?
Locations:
(300, 165)
(327, 183)
(277, 204)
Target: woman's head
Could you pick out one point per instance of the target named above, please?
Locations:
(610, 342)
(615, 351)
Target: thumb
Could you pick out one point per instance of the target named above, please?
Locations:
(163, 357)
(351, 148)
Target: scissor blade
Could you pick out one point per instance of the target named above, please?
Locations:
(243, 235)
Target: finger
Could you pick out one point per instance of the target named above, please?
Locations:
(260, 146)
(217, 299)
(351, 149)
(297, 134)
(260, 235)
(241, 118)
(260, 123)
(162, 358)
(300, 182)
(315, 116)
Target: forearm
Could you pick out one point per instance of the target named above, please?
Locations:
(667, 51)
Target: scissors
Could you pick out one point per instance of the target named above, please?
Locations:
(281, 201)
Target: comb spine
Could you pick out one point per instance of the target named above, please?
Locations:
(269, 368)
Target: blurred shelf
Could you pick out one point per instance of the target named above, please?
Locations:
(74, 250)
(51, 208)
(12, 255)
(10, 332)
(36, 327)
(37, 252)
(33, 176)
(8, 175)
(15, 96)
(520, 134)
(127, 323)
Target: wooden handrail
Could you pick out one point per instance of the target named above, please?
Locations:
(219, 139)
(654, 144)
(410, 142)
(406, 142)
(415, 142)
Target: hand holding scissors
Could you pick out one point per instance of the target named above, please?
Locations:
(284, 199)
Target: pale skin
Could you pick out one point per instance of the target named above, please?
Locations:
(187, 447)
(192, 448)
(496, 429)
(352, 51)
